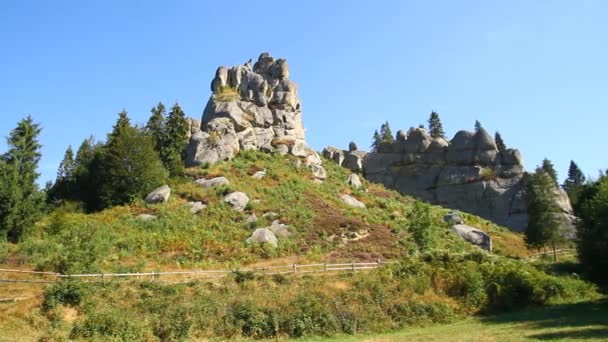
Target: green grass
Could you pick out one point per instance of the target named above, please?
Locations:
(586, 321)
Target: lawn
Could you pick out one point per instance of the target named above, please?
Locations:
(586, 321)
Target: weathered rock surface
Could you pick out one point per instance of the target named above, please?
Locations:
(237, 200)
(251, 108)
(146, 217)
(212, 182)
(280, 230)
(263, 235)
(353, 202)
(159, 195)
(453, 218)
(354, 181)
(467, 173)
(196, 207)
(474, 236)
(259, 174)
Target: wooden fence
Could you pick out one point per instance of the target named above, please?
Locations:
(194, 274)
(566, 251)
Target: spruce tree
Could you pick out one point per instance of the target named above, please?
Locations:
(131, 167)
(156, 125)
(576, 179)
(547, 166)
(122, 122)
(175, 135)
(386, 135)
(544, 226)
(20, 199)
(65, 181)
(478, 126)
(435, 126)
(500, 144)
(375, 141)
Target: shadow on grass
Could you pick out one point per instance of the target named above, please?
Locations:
(587, 320)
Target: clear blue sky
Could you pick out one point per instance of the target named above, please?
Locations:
(537, 71)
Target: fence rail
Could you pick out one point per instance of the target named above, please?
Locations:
(550, 253)
(199, 274)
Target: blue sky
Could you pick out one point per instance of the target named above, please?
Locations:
(537, 71)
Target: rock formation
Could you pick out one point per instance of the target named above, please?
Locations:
(252, 107)
(467, 173)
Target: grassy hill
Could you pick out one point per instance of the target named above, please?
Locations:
(448, 280)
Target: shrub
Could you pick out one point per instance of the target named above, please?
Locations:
(112, 325)
(68, 292)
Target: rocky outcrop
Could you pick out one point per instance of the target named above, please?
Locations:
(159, 195)
(252, 107)
(474, 236)
(467, 173)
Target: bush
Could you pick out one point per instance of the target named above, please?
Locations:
(68, 292)
(112, 325)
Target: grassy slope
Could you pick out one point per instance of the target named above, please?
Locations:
(586, 321)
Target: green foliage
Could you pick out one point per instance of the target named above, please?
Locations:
(131, 167)
(435, 126)
(574, 183)
(66, 178)
(500, 144)
(174, 140)
(69, 292)
(384, 136)
(592, 243)
(548, 168)
(156, 125)
(478, 126)
(20, 200)
(421, 224)
(544, 226)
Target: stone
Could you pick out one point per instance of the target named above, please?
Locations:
(351, 201)
(334, 154)
(483, 141)
(196, 207)
(453, 218)
(474, 236)
(237, 200)
(213, 182)
(511, 157)
(263, 236)
(146, 217)
(251, 218)
(354, 160)
(220, 81)
(270, 214)
(280, 230)
(352, 146)
(354, 181)
(401, 135)
(259, 174)
(159, 195)
(318, 172)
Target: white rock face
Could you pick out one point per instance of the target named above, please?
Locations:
(263, 235)
(159, 195)
(213, 182)
(353, 202)
(237, 200)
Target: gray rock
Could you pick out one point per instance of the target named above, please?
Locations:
(146, 217)
(453, 218)
(351, 201)
(354, 160)
(263, 236)
(318, 172)
(237, 200)
(401, 135)
(511, 157)
(196, 207)
(483, 141)
(280, 230)
(259, 174)
(334, 154)
(474, 236)
(354, 181)
(251, 218)
(352, 146)
(213, 182)
(159, 195)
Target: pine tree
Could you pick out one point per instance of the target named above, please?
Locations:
(478, 126)
(547, 166)
(122, 122)
(499, 142)
(574, 183)
(156, 125)
(544, 226)
(386, 135)
(20, 199)
(435, 126)
(65, 181)
(175, 139)
(375, 141)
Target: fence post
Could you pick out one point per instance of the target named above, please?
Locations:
(324, 267)
(353, 267)
(295, 268)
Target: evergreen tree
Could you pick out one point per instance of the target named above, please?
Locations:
(592, 232)
(375, 141)
(574, 183)
(156, 125)
(435, 126)
(122, 122)
(386, 135)
(64, 183)
(175, 135)
(499, 142)
(547, 166)
(544, 226)
(20, 199)
(478, 126)
(131, 167)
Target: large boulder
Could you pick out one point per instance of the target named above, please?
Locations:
(351, 201)
(263, 236)
(354, 181)
(212, 182)
(159, 195)
(474, 236)
(237, 200)
(354, 160)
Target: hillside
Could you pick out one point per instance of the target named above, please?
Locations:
(451, 278)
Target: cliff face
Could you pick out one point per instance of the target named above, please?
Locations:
(467, 173)
(252, 107)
